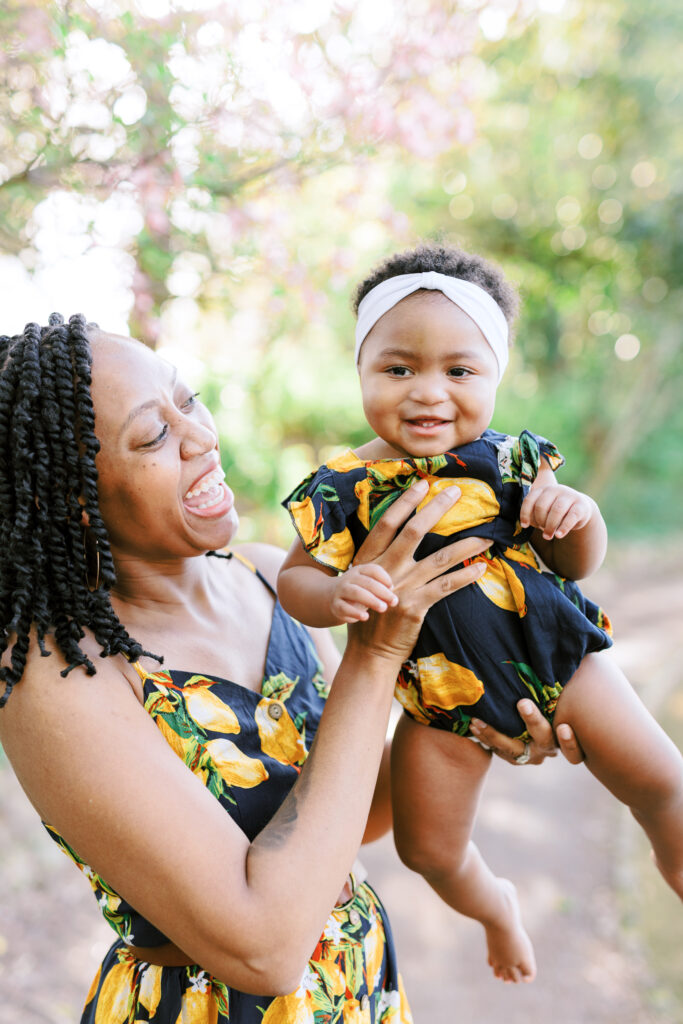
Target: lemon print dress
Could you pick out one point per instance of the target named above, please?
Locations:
(247, 748)
(517, 632)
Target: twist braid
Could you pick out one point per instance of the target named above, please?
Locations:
(48, 486)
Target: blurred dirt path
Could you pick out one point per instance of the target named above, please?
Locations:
(551, 829)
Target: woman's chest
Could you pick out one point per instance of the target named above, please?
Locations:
(231, 639)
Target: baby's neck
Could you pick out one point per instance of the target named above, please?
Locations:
(380, 449)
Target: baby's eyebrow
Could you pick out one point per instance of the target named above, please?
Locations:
(407, 353)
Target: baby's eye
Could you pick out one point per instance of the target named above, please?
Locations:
(398, 371)
(458, 371)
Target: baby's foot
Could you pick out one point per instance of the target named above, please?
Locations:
(511, 954)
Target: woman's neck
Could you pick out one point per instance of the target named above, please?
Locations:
(148, 585)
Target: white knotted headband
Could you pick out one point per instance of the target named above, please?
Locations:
(471, 299)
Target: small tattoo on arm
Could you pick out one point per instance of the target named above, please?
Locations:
(282, 824)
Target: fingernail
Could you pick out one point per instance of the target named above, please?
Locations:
(525, 706)
(452, 491)
(476, 725)
(421, 487)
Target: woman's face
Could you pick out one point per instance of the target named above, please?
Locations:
(160, 484)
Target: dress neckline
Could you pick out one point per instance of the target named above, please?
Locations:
(277, 611)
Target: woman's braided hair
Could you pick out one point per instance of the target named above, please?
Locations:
(48, 481)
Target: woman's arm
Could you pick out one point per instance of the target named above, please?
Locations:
(269, 560)
(98, 769)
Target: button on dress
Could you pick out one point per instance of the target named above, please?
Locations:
(247, 748)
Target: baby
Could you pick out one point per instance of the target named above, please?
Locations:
(431, 348)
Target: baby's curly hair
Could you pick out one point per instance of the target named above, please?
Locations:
(48, 485)
(444, 259)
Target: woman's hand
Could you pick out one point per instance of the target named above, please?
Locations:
(543, 741)
(417, 585)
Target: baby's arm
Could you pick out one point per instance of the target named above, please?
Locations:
(569, 532)
(318, 596)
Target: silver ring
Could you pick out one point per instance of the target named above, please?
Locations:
(524, 756)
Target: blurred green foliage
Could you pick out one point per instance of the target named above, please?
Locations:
(547, 138)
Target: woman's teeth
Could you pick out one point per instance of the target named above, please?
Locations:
(211, 486)
(217, 496)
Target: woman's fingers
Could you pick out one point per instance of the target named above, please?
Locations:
(516, 751)
(384, 531)
(504, 746)
(413, 532)
(569, 745)
(434, 566)
(542, 743)
(436, 589)
(538, 727)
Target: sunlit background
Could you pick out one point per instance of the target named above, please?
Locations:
(215, 178)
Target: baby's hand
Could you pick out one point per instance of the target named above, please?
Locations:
(556, 510)
(361, 589)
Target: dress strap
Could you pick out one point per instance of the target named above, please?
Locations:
(244, 561)
(140, 670)
(227, 553)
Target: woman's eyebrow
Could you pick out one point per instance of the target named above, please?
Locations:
(146, 405)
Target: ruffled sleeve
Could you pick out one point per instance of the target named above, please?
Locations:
(520, 462)
(317, 511)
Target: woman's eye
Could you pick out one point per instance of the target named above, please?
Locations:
(192, 400)
(158, 439)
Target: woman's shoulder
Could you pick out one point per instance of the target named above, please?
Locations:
(267, 558)
(46, 675)
(47, 707)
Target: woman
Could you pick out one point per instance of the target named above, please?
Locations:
(111, 494)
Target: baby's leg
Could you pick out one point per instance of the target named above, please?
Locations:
(630, 754)
(437, 779)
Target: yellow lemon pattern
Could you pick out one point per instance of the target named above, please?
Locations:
(517, 631)
(280, 738)
(247, 748)
(236, 767)
(476, 505)
(446, 685)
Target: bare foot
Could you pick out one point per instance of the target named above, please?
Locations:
(511, 954)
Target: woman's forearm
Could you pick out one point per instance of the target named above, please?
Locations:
(298, 863)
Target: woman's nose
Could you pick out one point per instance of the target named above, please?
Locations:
(198, 439)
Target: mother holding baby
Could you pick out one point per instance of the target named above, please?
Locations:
(174, 729)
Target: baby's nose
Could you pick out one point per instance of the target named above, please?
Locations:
(430, 388)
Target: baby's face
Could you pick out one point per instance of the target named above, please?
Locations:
(428, 377)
